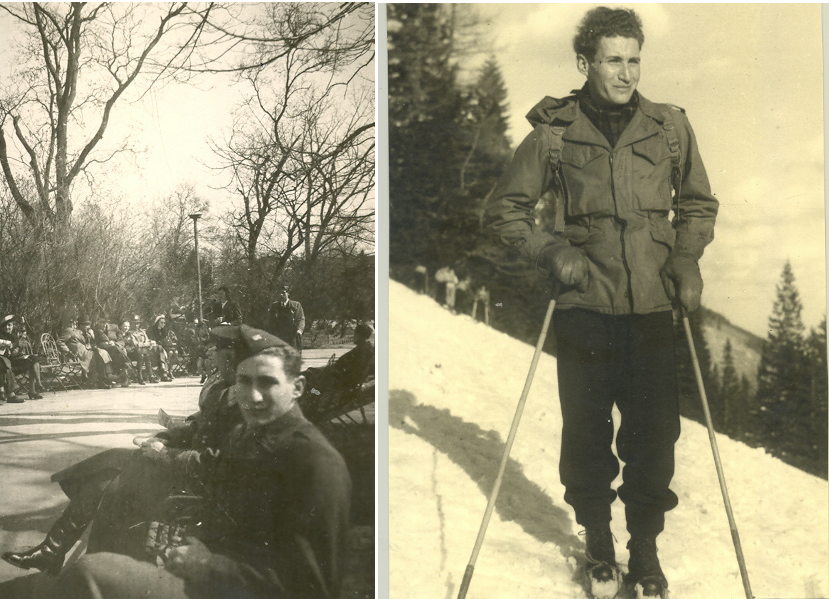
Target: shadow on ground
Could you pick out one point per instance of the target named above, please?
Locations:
(479, 453)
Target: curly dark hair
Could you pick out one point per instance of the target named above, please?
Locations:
(291, 359)
(606, 22)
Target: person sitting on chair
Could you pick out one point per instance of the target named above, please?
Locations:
(20, 358)
(343, 382)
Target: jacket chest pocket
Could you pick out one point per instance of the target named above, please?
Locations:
(651, 174)
(585, 170)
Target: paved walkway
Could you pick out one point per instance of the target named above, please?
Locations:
(40, 437)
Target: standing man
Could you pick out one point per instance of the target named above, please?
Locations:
(612, 165)
(287, 319)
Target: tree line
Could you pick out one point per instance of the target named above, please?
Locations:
(297, 163)
(785, 411)
(448, 146)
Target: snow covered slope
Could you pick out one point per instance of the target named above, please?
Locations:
(454, 385)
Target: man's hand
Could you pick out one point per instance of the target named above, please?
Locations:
(682, 280)
(152, 447)
(190, 560)
(567, 263)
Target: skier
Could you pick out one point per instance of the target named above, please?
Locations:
(611, 165)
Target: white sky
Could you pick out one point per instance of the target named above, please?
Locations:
(750, 79)
(167, 131)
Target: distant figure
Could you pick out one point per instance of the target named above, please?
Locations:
(482, 296)
(340, 384)
(287, 319)
(164, 349)
(228, 312)
(14, 360)
(108, 337)
(78, 343)
(139, 347)
(447, 280)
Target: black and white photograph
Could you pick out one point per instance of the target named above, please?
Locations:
(607, 301)
(187, 300)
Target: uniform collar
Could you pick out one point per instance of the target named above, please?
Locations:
(646, 122)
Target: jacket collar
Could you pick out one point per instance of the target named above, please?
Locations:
(646, 121)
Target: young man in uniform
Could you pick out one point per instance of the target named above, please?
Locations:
(615, 165)
(277, 501)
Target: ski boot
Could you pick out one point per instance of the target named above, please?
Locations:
(645, 579)
(601, 572)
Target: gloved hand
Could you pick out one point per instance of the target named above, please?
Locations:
(567, 263)
(681, 278)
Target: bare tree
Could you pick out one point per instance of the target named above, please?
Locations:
(301, 154)
(75, 62)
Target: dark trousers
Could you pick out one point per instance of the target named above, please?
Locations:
(628, 361)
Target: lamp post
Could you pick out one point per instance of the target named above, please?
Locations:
(196, 216)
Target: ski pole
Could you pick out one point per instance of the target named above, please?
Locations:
(467, 575)
(735, 537)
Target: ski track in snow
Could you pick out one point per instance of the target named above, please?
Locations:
(454, 385)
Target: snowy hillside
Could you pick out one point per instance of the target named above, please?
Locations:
(454, 385)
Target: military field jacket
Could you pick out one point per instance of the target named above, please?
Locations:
(617, 202)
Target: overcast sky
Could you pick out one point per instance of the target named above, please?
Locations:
(167, 129)
(750, 79)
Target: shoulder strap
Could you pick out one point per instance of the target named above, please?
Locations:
(677, 162)
(556, 145)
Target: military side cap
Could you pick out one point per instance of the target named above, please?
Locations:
(252, 341)
(7, 318)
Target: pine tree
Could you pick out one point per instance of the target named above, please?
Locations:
(781, 387)
(424, 109)
(730, 393)
(817, 417)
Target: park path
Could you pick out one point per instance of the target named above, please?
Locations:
(40, 437)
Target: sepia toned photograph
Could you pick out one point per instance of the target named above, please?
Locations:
(607, 301)
(187, 300)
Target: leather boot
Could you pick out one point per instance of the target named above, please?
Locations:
(49, 555)
(601, 571)
(645, 577)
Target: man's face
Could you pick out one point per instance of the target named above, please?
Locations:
(283, 296)
(8, 326)
(264, 391)
(613, 74)
(125, 326)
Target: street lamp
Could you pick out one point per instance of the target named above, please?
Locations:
(196, 216)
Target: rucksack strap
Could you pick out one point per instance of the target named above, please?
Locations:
(556, 145)
(669, 127)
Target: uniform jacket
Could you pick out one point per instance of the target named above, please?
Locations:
(283, 493)
(617, 202)
(287, 320)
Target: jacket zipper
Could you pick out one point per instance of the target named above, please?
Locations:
(623, 223)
